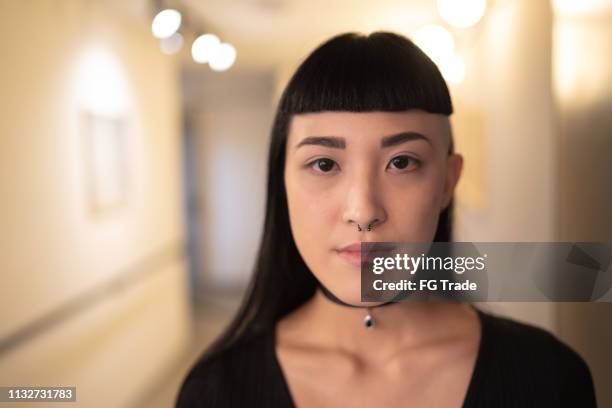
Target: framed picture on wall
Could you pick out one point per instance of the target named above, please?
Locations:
(106, 167)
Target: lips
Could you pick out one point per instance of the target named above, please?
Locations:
(352, 253)
(352, 247)
(353, 257)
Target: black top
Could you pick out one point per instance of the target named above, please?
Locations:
(518, 365)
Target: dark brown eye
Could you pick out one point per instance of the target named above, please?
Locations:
(402, 162)
(324, 165)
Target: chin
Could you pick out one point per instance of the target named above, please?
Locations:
(348, 291)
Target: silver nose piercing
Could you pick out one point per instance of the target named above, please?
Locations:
(369, 227)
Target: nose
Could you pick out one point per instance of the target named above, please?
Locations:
(363, 209)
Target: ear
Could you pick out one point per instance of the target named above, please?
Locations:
(454, 167)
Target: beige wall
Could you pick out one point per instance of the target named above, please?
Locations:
(508, 90)
(583, 62)
(504, 125)
(537, 97)
(51, 247)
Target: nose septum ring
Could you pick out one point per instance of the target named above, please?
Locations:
(369, 227)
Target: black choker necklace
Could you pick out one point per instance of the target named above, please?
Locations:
(368, 320)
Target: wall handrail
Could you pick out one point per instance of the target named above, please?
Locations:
(138, 271)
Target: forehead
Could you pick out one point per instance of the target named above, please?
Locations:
(372, 126)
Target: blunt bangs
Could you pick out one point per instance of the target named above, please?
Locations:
(359, 73)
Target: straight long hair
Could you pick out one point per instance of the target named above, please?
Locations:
(351, 72)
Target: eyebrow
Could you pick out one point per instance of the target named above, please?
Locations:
(335, 142)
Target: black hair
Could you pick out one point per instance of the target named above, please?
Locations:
(382, 71)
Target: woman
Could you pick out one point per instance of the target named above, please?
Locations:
(362, 150)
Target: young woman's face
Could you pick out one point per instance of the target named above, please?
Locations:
(345, 168)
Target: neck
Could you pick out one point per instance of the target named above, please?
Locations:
(324, 322)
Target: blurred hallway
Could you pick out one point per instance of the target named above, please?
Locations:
(132, 176)
(211, 315)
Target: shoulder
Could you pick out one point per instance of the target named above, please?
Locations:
(538, 357)
(513, 337)
(214, 379)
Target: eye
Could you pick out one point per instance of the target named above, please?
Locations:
(402, 162)
(322, 165)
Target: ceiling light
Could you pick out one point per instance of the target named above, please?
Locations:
(436, 42)
(224, 58)
(166, 23)
(172, 44)
(204, 48)
(461, 13)
(453, 69)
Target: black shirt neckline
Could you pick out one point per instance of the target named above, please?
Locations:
(470, 395)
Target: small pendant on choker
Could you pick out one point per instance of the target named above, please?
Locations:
(368, 320)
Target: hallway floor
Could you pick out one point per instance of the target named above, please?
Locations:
(210, 317)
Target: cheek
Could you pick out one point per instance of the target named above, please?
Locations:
(307, 210)
(311, 215)
(414, 209)
(315, 208)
